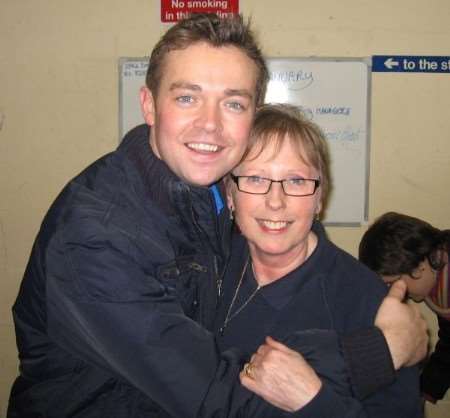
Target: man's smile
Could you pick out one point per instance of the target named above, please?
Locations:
(203, 147)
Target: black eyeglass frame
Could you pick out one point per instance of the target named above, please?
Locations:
(236, 180)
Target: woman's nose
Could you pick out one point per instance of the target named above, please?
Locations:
(275, 198)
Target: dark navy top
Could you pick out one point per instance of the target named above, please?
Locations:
(331, 292)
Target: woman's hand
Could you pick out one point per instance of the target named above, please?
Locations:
(281, 376)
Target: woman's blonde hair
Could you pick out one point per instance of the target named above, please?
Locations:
(276, 123)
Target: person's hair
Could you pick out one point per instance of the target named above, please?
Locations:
(276, 123)
(215, 31)
(396, 244)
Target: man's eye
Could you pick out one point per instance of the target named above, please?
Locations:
(185, 99)
(236, 106)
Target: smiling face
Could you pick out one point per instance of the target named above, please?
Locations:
(202, 114)
(277, 227)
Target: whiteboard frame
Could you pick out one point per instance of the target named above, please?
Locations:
(122, 62)
(364, 60)
(367, 61)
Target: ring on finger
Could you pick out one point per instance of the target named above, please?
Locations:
(248, 370)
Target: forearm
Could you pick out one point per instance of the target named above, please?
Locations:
(327, 404)
(308, 376)
(399, 399)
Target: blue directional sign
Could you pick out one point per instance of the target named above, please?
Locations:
(410, 64)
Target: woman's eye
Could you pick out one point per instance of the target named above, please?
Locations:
(255, 179)
(297, 181)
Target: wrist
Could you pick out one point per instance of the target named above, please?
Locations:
(369, 361)
(397, 356)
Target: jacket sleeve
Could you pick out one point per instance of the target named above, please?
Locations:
(399, 399)
(435, 379)
(354, 301)
(369, 361)
(321, 349)
(326, 404)
(104, 308)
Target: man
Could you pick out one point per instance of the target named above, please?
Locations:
(125, 270)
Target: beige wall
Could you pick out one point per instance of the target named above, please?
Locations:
(59, 95)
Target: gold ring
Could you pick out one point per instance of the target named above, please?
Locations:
(248, 370)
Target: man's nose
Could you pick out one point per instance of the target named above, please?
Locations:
(209, 117)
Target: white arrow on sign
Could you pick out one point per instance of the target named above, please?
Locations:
(390, 63)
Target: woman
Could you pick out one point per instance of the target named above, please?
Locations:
(398, 247)
(285, 276)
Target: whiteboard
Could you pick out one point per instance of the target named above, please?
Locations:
(333, 92)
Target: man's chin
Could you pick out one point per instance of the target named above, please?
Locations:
(202, 181)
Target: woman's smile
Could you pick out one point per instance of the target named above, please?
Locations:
(273, 226)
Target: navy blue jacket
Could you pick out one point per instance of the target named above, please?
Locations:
(121, 283)
(119, 279)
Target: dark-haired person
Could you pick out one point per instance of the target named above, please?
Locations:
(402, 247)
(123, 277)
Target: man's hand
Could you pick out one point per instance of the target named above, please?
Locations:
(281, 376)
(403, 327)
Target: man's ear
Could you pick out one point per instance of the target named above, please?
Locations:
(147, 105)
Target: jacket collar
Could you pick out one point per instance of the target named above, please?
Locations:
(157, 178)
(165, 189)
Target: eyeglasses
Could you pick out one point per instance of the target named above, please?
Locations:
(291, 187)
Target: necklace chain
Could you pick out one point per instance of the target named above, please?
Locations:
(229, 316)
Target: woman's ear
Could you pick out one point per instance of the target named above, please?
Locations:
(229, 193)
(318, 210)
(319, 207)
(147, 105)
(230, 200)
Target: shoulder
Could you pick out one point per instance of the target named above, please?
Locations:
(352, 273)
(340, 268)
(104, 206)
(353, 292)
